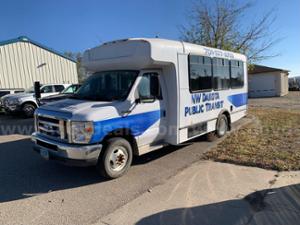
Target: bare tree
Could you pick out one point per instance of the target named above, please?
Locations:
(223, 24)
(80, 70)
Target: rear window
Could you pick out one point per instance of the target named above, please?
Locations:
(58, 88)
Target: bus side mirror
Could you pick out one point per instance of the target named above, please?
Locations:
(37, 89)
(137, 101)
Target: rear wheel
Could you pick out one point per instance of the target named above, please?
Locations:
(28, 109)
(222, 126)
(116, 158)
(221, 129)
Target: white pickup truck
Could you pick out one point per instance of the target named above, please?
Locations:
(25, 102)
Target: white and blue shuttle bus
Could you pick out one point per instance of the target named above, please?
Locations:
(143, 94)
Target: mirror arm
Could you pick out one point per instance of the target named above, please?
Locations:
(125, 113)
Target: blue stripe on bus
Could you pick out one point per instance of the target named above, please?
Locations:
(137, 124)
(238, 99)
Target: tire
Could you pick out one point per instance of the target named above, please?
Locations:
(221, 129)
(116, 158)
(28, 110)
(222, 126)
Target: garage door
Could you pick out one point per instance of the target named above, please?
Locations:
(262, 85)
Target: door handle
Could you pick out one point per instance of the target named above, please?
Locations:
(163, 113)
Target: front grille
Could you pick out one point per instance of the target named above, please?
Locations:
(52, 127)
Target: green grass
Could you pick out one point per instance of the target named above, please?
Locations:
(272, 141)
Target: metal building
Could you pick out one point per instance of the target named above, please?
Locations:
(267, 81)
(23, 61)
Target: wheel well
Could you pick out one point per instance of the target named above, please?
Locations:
(29, 102)
(123, 133)
(227, 114)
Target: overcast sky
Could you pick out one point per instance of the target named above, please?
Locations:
(67, 25)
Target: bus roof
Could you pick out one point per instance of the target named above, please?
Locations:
(139, 53)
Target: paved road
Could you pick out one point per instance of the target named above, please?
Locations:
(211, 193)
(33, 191)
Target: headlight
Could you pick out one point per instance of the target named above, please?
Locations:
(82, 132)
(13, 101)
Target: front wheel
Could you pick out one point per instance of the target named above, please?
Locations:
(116, 159)
(28, 109)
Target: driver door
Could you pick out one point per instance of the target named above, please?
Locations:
(150, 109)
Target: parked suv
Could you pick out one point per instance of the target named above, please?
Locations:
(26, 102)
(66, 93)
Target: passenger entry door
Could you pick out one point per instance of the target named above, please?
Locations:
(150, 109)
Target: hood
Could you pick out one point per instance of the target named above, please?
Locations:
(83, 110)
(58, 96)
(19, 95)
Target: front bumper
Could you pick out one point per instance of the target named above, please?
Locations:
(69, 154)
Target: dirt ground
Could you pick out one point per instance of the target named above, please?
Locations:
(290, 101)
(271, 141)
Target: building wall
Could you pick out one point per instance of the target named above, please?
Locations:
(22, 63)
(268, 84)
(284, 84)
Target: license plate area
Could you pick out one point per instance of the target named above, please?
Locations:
(46, 145)
(44, 153)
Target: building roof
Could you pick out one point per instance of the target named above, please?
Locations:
(264, 69)
(26, 39)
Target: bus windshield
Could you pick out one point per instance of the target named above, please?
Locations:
(107, 86)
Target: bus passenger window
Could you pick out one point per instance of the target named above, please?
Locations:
(200, 73)
(221, 74)
(237, 74)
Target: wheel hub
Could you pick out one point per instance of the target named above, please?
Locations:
(222, 127)
(118, 159)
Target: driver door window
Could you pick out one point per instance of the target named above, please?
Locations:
(151, 105)
(149, 87)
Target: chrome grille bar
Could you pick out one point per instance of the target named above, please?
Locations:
(62, 129)
(52, 127)
(49, 123)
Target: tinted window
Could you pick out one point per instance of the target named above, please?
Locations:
(237, 74)
(221, 74)
(47, 89)
(107, 86)
(200, 72)
(59, 88)
(2, 93)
